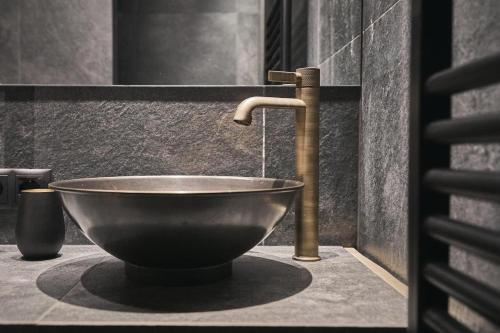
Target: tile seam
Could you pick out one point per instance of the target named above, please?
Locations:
(340, 50)
(381, 16)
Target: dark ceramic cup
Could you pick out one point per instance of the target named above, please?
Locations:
(40, 224)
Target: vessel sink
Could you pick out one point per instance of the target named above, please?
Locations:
(177, 228)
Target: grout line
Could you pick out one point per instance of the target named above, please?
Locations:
(263, 143)
(263, 150)
(381, 15)
(341, 49)
(361, 33)
(380, 272)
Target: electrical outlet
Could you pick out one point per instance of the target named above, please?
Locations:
(13, 181)
(4, 190)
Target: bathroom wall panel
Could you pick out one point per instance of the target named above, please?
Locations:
(9, 40)
(19, 134)
(110, 131)
(334, 40)
(383, 169)
(3, 128)
(66, 42)
(170, 49)
(374, 9)
(340, 23)
(194, 42)
(343, 68)
(384, 136)
(338, 163)
(476, 29)
(56, 42)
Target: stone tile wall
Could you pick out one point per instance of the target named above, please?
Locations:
(384, 121)
(334, 38)
(110, 131)
(476, 29)
(189, 42)
(56, 42)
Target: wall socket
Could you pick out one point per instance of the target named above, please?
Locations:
(13, 181)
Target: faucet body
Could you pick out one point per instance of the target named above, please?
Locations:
(306, 106)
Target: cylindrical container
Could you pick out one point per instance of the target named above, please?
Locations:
(40, 224)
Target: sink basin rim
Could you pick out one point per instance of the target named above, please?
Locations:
(66, 185)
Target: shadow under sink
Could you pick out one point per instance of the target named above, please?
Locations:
(99, 282)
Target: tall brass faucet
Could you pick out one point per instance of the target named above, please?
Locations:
(306, 106)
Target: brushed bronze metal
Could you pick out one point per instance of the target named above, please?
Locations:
(306, 104)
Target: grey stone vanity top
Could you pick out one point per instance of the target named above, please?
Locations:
(85, 290)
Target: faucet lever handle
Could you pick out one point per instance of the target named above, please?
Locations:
(283, 77)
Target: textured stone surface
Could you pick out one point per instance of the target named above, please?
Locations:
(110, 131)
(338, 163)
(194, 42)
(9, 39)
(313, 35)
(340, 23)
(383, 171)
(476, 33)
(334, 42)
(343, 67)
(85, 132)
(374, 9)
(249, 49)
(3, 128)
(19, 119)
(66, 42)
(86, 286)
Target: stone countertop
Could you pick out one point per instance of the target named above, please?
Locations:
(85, 290)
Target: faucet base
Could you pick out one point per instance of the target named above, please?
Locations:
(306, 258)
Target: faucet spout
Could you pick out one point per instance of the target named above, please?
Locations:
(306, 107)
(243, 115)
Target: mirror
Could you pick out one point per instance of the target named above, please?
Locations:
(131, 42)
(176, 42)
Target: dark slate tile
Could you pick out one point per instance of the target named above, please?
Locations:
(248, 6)
(85, 132)
(19, 120)
(344, 67)
(338, 163)
(65, 43)
(248, 69)
(313, 32)
(386, 43)
(170, 49)
(476, 33)
(340, 23)
(178, 6)
(383, 177)
(373, 9)
(300, 33)
(8, 218)
(2, 127)
(9, 39)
